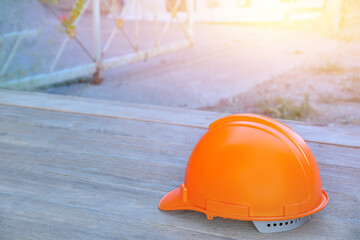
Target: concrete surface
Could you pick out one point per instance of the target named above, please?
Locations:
(225, 60)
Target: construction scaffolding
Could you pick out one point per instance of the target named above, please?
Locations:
(98, 59)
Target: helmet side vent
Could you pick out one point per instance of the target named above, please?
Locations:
(279, 226)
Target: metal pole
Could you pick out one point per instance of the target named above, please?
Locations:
(83, 10)
(24, 33)
(97, 77)
(61, 49)
(145, 54)
(33, 82)
(12, 53)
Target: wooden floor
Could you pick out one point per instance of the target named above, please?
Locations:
(75, 168)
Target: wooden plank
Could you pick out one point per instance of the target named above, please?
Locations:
(338, 182)
(98, 162)
(126, 137)
(44, 209)
(154, 167)
(111, 210)
(130, 148)
(181, 117)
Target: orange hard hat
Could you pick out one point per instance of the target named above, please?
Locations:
(254, 168)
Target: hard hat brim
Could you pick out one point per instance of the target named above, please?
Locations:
(174, 201)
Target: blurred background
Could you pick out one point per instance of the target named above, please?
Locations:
(290, 59)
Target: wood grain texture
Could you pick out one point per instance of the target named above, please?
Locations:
(83, 176)
(165, 115)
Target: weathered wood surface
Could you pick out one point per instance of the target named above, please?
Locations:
(74, 168)
(175, 116)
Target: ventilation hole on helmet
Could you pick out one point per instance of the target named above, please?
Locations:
(280, 224)
(291, 222)
(286, 223)
(268, 225)
(275, 224)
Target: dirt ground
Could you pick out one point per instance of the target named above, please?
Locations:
(297, 74)
(293, 72)
(323, 91)
(225, 60)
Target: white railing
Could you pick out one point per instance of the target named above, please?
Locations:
(99, 62)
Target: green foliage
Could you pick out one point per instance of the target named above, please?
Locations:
(74, 14)
(286, 108)
(47, 1)
(67, 21)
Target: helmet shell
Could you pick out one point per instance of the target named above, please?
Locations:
(250, 167)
